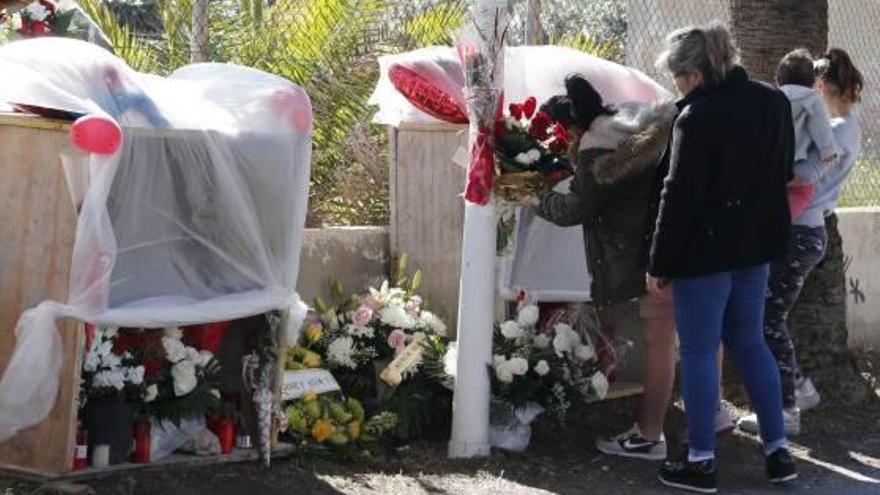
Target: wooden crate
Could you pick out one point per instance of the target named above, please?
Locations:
(37, 230)
(37, 233)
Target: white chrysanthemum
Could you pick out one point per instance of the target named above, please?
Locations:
(518, 366)
(511, 330)
(450, 359)
(340, 351)
(105, 348)
(528, 316)
(111, 332)
(360, 331)
(395, 315)
(92, 361)
(135, 375)
(184, 375)
(433, 323)
(109, 379)
(193, 355)
(111, 361)
(600, 384)
(174, 349)
(584, 352)
(542, 368)
(174, 333)
(541, 341)
(151, 393)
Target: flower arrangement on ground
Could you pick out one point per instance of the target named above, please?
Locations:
(358, 336)
(328, 424)
(110, 372)
(555, 367)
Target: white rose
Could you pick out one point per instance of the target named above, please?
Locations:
(522, 159)
(37, 11)
(542, 341)
(600, 384)
(111, 361)
(561, 344)
(528, 316)
(215, 393)
(498, 360)
(174, 333)
(136, 375)
(205, 357)
(504, 373)
(184, 375)
(192, 354)
(511, 330)
(542, 368)
(151, 393)
(534, 155)
(584, 352)
(174, 349)
(105, 348)
(518, 366)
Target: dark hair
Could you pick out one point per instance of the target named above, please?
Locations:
(796, 67)
(836, 68)
(579, 106)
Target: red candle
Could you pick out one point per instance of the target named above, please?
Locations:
(142, 442)
(224, 428)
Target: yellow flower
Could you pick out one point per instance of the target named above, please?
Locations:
(312, 360)
(354, 430)
(309, 395)
(322, 430)
(314, 333)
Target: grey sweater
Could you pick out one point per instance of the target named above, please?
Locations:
(827, 181)
(810, 119)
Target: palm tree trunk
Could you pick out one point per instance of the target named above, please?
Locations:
(765, 30)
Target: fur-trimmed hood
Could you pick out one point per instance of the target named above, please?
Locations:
(636, 135)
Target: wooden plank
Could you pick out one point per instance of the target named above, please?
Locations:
(37, 230)
(429, 212)
(33, 122)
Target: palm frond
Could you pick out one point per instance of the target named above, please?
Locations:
(138, 54)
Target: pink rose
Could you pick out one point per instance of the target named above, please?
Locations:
(371, 303)
(397, 339)
(363, 316)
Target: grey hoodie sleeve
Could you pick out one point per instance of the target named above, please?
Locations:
(819, 127)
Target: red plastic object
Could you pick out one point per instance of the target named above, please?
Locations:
(799, 197)
(224, 428)
(426, 96)
(209, 336)
(297, 108)
(96, 134)
(142, 443)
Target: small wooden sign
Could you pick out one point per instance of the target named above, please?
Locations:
(393, 374)
(296, 383)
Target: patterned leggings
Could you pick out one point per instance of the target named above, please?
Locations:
(806, 249)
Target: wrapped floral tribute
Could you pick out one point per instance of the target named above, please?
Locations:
(358, 336)
(39, 18)
(110, 372)
(328, 424)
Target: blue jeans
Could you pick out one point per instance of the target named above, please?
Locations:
(726, 307)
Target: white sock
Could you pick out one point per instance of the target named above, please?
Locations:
(772, 447)
(700, 455)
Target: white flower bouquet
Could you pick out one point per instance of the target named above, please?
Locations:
(110, 372)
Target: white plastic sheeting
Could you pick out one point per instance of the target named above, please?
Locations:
(197, 218)
(549, 261)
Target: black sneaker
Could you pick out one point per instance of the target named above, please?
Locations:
(700, 477)
(780, 466)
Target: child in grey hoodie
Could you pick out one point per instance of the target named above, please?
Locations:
(812, 124)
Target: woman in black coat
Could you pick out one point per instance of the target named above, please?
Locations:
(721, 216)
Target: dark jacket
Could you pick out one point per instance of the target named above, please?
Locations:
(719, 195)
(609, 197)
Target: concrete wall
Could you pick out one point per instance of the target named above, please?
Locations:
(860, 229)
(357, 256)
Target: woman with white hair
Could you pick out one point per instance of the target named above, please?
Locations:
(722, 216)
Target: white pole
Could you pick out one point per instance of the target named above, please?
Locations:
(476, 296)
(476, 309)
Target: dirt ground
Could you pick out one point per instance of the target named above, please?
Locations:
(839, 454)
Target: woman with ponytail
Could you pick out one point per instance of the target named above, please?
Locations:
(840, 84)
(616, 150)
(722, 216)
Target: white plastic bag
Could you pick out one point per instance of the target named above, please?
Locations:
(509, 427)
(166, 437)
